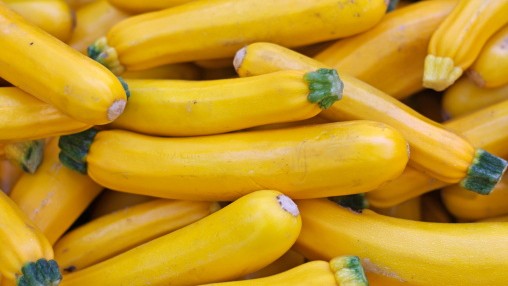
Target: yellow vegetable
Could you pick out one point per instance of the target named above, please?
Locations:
(54, 196)
(25, 253)
(434, 149)
(464, 97)
(140, 6)
(53, 16)
(261, 226)
(26, 155)
(117, 232)
(388, 53)
(484, 128)
(340, 271)
(47, 68)
(418, 253)
(216, 29)
(303, 162)
(187, 108)
(457, 42)
(410, 209)
(186, 71)
(110, 201)
(25, 117)
(287, 261)
(489, 68)
(469, 206)
(93, 20)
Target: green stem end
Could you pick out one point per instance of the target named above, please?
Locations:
(484, 173)
(325, 87)
(74, 149)
(348, 271)
(40, 273)
(355, 202)
(26, 154)
(102, 53)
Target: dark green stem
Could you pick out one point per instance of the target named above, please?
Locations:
(348, 270)
(40, 273)
(355, 202)
(484, 173)
(325, 87)
(74, 149)
(392, 4)
(102, 53)
(125, 86)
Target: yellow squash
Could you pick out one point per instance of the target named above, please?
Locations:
(185, 71)
(261, 226)
(464, 97)
(47, 68)
(25, 117)
(110, 201)
(484, 128)
(388, 53)
(54, 196)
(188, 108)
(117, 232)
(287, 261)
(53, 16)
(303, 162)
(215, 29)
(140, 6)
(93, 20)
(26, 155)
(25, 253)
(340, 271)
(489, 68)
(419, 253)
(434, 149)
(457, 42)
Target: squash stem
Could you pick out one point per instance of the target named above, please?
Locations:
(74, 148)
(26, 154)
(40, 273)
(348, 271)
(102, 53)
(325, 87)
(484, 172)
(355, 202)
(440, 72)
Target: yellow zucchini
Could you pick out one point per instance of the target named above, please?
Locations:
(53, 16)
(457, 42)
(464, 97)
(201, 30)
(469, 206)
(188, 108)
(26, 155)
(75, 4)
(54, 196)
(410, 209)
(47, 68)
(25, 253)
(434, 149)
(25, 117)
(388, 53)
(110, 201)
(489, 68)
(140, 6)
(340, 271)
(117, 232)
(303, 162)
(419, 253)
(93, 20)
(261, 226)
(484, 128)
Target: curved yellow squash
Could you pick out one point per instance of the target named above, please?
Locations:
(419, 253)
(261, 226)
(303, 162)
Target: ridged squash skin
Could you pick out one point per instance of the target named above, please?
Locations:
(484, 128)
(419, 253)
(215, 29)
(24, 117)
(386, 53)
(458, 41)
(53, 16)
(54, 196)
(261, 226)
(435, 150)
(50, 70)
(191, 108)
(304, 161)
